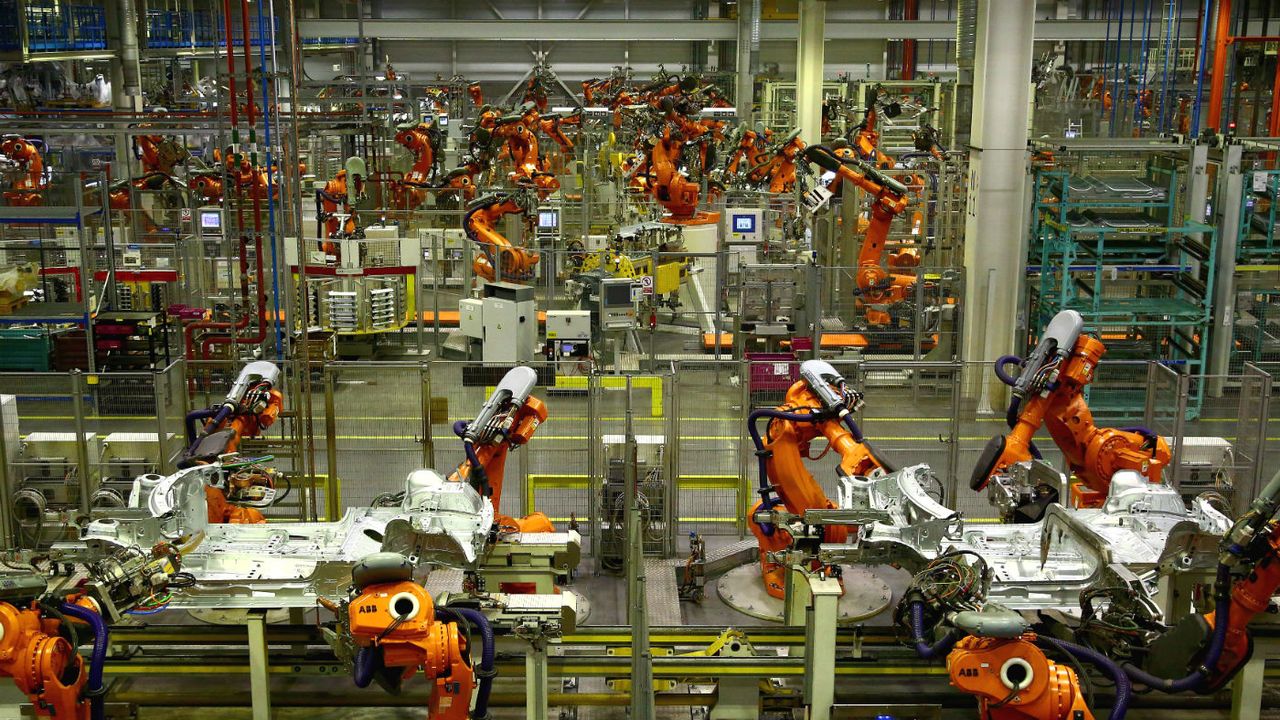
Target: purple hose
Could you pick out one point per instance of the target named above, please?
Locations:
(192, 417)
(97, 660)
(1000, 365)
(923, 648)
(485, 671)
(1124, 689)
(460, 428)
(362, 673)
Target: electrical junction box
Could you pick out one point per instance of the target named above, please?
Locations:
(568, 325)
(510, 323)
(471, 318)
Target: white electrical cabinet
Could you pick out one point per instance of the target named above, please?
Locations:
(510, 323)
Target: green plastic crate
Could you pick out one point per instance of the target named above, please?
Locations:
(24, 349)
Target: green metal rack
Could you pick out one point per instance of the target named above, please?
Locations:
(1139, 273)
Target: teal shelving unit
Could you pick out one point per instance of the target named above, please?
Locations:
(1117, 249)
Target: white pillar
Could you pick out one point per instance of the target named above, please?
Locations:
(747, 53)
(809, 62)
(995, 246)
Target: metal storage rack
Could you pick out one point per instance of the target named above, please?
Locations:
(1117, 249)
(46, 27)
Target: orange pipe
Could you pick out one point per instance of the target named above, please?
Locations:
(1218, 81)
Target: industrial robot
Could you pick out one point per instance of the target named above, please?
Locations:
(424, 141)
(751, 146)
(992, 653)
(520, 133)
(1049, 391)
(508, 419)
(343, 191)
(866, 134)
(40, 628)
(25, 156)
(819, 404)
(252, 405)
(889, 198)
(670, 185)
(394, 630)
(517, 263)
(779, 171)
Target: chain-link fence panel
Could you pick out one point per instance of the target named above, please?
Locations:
(909, 415)
(374, 426)
(645, 398)
(901, 311)
(710, 451)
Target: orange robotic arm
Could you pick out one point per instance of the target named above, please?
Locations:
(253, 405)
(398, 630)
(746, 144)
(673, 190)
(521, 135)
(508, 419)
(820, 404)
(517, 263)
(46, 668)
(780, 170)
(1013, 680)
(553, 127)
(28, 189)
(1202, 645)
(889, 199)
(1050, 392)
(867, 141)
(423, 141)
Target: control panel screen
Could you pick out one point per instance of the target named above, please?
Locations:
(617, 294)
(548, 219)
(210, 220)
(744, 223)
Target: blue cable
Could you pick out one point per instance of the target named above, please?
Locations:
(271, 181)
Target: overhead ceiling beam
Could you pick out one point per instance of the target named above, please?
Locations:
(653, 30)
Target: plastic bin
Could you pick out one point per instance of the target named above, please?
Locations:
(772, 372)
(87, 27)
(165, 29)
(24, 349)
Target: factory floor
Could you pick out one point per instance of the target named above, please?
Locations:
(377, 420)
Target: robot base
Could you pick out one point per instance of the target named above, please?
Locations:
(865, 595)
(699, 218)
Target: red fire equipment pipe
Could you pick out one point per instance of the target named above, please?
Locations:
(910, 11)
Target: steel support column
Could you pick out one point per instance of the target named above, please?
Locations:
(535, 681)
(994, 248)
(259, 669)
(809, 62)
(1229, 207)
(747, 57)
(820, 645)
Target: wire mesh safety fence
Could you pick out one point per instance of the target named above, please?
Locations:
(72, 442)
(377, 422)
